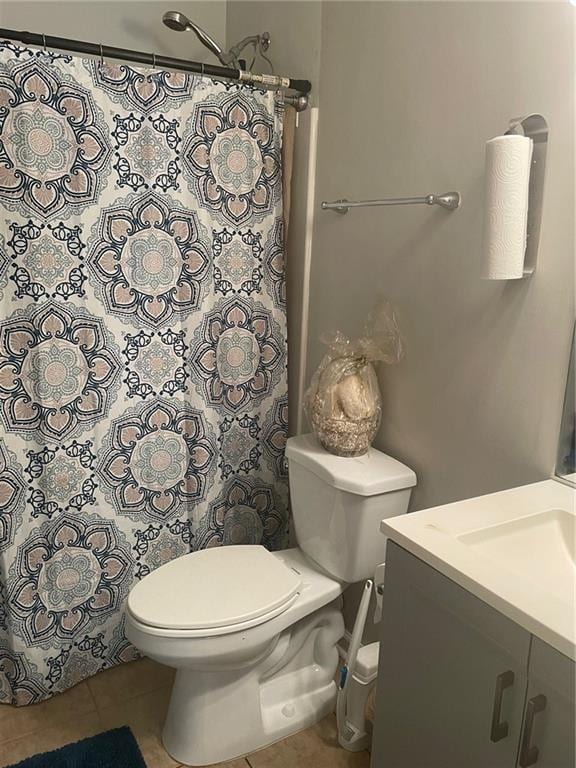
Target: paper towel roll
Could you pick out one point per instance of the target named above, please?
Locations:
(508, 161)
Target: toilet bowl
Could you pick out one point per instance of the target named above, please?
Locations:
(253, 634)
(253, 681)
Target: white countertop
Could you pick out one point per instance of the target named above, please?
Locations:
(541, 599)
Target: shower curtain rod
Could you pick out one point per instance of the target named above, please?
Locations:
(299, 100)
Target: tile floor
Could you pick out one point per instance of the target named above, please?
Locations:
(136, 695)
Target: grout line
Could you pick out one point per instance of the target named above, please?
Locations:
(132, 697)
(91, 694)
(100, 722)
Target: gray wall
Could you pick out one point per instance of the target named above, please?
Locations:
(409, 94)
(120, 23)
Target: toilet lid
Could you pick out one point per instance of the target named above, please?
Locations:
(212, 588)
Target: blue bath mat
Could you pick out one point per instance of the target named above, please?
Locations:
(111, 749)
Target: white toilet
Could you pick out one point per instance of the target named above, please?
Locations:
(252, 634)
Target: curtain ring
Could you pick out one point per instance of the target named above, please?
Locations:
(101, 57)
(202, 70)
(44, 43)
(153, 61)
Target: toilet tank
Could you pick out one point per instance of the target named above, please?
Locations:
(338, 503)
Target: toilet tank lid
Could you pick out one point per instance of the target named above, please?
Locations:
(368, 475)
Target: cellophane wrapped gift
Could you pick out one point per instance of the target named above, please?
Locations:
(343, 401)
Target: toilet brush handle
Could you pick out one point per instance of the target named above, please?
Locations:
(348, 669)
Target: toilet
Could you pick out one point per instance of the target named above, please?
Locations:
(253, 634)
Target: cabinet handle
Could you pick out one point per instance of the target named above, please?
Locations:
(528, 753)
(499, 729)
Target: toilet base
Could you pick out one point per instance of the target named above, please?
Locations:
(220, 715)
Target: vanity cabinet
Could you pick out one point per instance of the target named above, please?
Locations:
(462, 686)
(550, 718)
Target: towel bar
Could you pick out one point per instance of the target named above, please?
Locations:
(449, 200)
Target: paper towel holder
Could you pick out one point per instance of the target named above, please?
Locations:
(534, 127)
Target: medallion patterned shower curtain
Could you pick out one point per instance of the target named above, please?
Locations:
(143, 407)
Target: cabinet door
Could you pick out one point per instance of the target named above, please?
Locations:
(452, 674)
(549, 719)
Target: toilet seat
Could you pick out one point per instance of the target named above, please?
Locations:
(215, 591)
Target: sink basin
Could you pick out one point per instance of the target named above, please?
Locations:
(540, 548)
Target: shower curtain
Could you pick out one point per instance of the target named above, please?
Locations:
(143, 403)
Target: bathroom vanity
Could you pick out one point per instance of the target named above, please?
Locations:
(477, 663)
